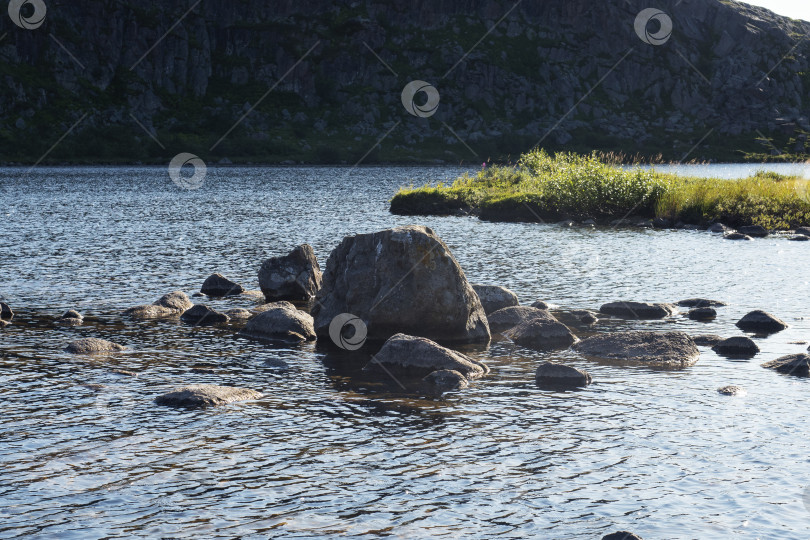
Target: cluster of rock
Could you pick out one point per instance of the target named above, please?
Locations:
(746, 232)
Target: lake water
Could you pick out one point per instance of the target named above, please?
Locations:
(658, 453)
(734, 170)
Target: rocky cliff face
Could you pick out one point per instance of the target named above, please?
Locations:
(322, 81)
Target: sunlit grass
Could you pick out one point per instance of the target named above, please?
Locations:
(542, 186)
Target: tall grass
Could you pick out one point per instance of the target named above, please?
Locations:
(567, 185)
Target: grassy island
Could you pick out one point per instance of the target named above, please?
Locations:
(571, 186)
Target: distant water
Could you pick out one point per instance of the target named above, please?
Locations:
(735, 170)
(658, 453)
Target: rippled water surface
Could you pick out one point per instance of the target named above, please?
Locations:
(85, 453)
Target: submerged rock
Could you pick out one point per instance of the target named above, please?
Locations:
(577, 317)
(202, 315)
(638, 310)
(507, 318)
(736, 347)
(295, 276)
(799, 238)
(93, 345)
(792, 364)
(550, 375)
(281, 322)
(412, 357)
(217, 285)
(239, 314)
(732, 391)
(622, 535)
(707, 340)
(494, 297)
(6, 314)
(719, 228)
(445, 380)
(71, 318)
(205, 395)
(760, 321)
(803, 231)
(755, 231)
(402, 280)
(667, 349)
(700, 302)
(702, 314)
(539, 304)
(3, 323)
(541, 335)
(168, 305)
(736, 236)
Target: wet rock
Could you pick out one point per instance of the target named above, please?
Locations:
(577, 317)
(622, 535)
(702, 314)
(493, 297)
(732, 391)
(3, 323)
(124, 372)
(762, 322)
(661, 223)
(217, 285)
(736, 236)
(805, 231)
(541, 335)
(202, 315)
(792, 364)
(700, 302)
(168, 305)
(707, 340)
(799, 238)
(70, 318)
(638, 310)
(754, 231)
(719, 228)
(736, 347)
(239, 315)
(507, 318)
(6, 314)
(402, 280)
(539, 304)
(93, 345)
(295, 276)
(667, 349)
(550, 375)
(276, 363)
(282, 322)
(205, 395)
(412, 357)
(72, 314)
(445, 380)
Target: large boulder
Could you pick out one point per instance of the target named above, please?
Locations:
(761, 322)
(736, 347)
(202, 315)
(282, 321)
(205, 395)
(168, 305)
(93, 346)
(702, 314)
(6, 314)
(494, 297)
(416, 357)
(550, 375)
(755, 231)
(638, 310)
(541, 335)
(507, 318)
(71, 318)
(792, 364)
(402, 280)
(666, 349)
(217, 285)
(445, 380)
(295, 276)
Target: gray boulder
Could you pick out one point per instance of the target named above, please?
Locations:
(217, 285)
(719, 228)
(638, 310)
(736, 236)
(541, 335)
(6, 314)
(732, 391)
(295, 276)
(168, 305)
(761, 322)
(402, 280)
(507, 318)
(736, 347)
(666, 349)
(755, 231)
(702, 314)
(577, 317)
(550, 375)
(239, 315)
(707, 340)
(281, 322)
(622, 535)
(799, 238)
(177, 301)
(700, 302)
(202, 315)
(444, 380)
(205, 395)
(792, 364)
(494, 297)
(416, 357)
(71, 318)
(539, 304)
(92, 346)
(803, 231)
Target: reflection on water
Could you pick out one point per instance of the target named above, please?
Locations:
(86, 454)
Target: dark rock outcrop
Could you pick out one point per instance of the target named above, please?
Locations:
(700, 302)
(416, 357)
(754, 231)
(281, 322)
(550, 375)
(445, 380)
(217, 285)
(402, 280)
(507, 318)
(792, 364)
(70, 318)
(702, 314)
(205, 395)
(736, 347)
(622, 535)
(202, 315)
(736, 236)
(666, 349)
(638, 310)
(295, 276)
(541, 334)
(761, 322)
(707, 340)
(168, 305)
(6, 314)
(539, 304)
(92, 346)
(494, 297)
